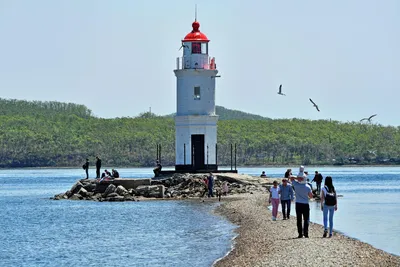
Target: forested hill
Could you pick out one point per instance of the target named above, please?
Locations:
(41, 134)
(232, 114)
(13, 107)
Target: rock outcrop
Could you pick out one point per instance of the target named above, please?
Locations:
(176, 186)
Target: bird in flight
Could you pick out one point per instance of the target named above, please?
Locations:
(315, 105)
(280, 90)
(183, 45)
(369, 118)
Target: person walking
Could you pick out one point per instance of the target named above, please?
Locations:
(286, 192)
(328, 204)
(98, 166)
(318, 180)
(274, 199)
(86, 168)
(303, 192)
(210, 184)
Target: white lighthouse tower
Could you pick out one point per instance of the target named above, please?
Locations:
(195, 120)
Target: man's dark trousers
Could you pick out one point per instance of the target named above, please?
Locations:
(286, 203)
(302, 212)
(319, 188)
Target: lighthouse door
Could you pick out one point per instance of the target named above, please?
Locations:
(198, 151)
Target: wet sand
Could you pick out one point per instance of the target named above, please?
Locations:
(263, 242)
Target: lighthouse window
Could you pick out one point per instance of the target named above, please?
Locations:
(197, 93)
(196, 48)
(204, 48)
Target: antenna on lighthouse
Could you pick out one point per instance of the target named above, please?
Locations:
(195, 12)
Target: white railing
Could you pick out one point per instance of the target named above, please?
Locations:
(191, 62)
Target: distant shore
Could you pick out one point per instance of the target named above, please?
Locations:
(263, 242)
(92, 168)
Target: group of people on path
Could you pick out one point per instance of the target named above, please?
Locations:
(299, 189)
(209, 183)
(105, 175)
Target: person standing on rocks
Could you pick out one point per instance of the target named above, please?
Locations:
(274, 199)
(328, 204)
(86, 168)
(98, 166)
(303, 192)
(210, 183)
(287, 196)
(318, 179)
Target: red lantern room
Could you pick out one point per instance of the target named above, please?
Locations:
(195, 50)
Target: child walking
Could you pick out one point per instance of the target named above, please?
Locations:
(274, 199)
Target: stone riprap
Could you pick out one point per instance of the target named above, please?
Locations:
(176, 186)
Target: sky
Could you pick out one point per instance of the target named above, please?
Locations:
(118, 57)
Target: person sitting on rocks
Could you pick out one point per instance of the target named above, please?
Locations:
(157, 169)
(115, 173)
(263, 174)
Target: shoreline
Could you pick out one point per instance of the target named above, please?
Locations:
(259, 241)
(222, 167)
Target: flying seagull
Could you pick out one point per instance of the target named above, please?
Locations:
(315, 105)
(183, 45)
(369, 118)
(280, 90)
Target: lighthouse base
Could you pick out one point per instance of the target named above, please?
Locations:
(191, 168)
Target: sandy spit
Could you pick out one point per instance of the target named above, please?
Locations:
(263, 242)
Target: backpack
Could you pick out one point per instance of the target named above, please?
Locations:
(84, 166)
(330, 198)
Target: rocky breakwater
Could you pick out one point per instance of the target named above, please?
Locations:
(176, 186)
(88, 189)
(192, 185)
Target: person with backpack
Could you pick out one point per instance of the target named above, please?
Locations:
(328, 204)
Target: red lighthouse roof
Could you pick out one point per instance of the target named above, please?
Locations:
(195, 34)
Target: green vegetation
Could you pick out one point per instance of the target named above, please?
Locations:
(232, 114)
(39, 134)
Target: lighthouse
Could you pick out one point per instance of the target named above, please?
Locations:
(195, 120)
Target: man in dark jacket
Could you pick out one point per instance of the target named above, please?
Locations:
(318, 179)
(98, 166)
(86, 168)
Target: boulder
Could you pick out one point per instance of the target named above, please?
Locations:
(75, 189)
(129, 198)
(156, 191)
(121, 191)
(83, 192)
(115, 198)
(76, 197)
(90, 187)
(110, 189)
(113, 194)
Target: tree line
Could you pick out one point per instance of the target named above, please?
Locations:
(52, 134)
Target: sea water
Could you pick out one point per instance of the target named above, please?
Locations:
(37, 231)
(370, 207)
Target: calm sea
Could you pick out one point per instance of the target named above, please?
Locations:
(36, 231)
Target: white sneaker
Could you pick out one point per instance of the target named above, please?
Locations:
(273, 218)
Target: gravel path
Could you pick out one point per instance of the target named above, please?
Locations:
(263, 242)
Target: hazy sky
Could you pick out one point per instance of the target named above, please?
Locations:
(117, 57)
